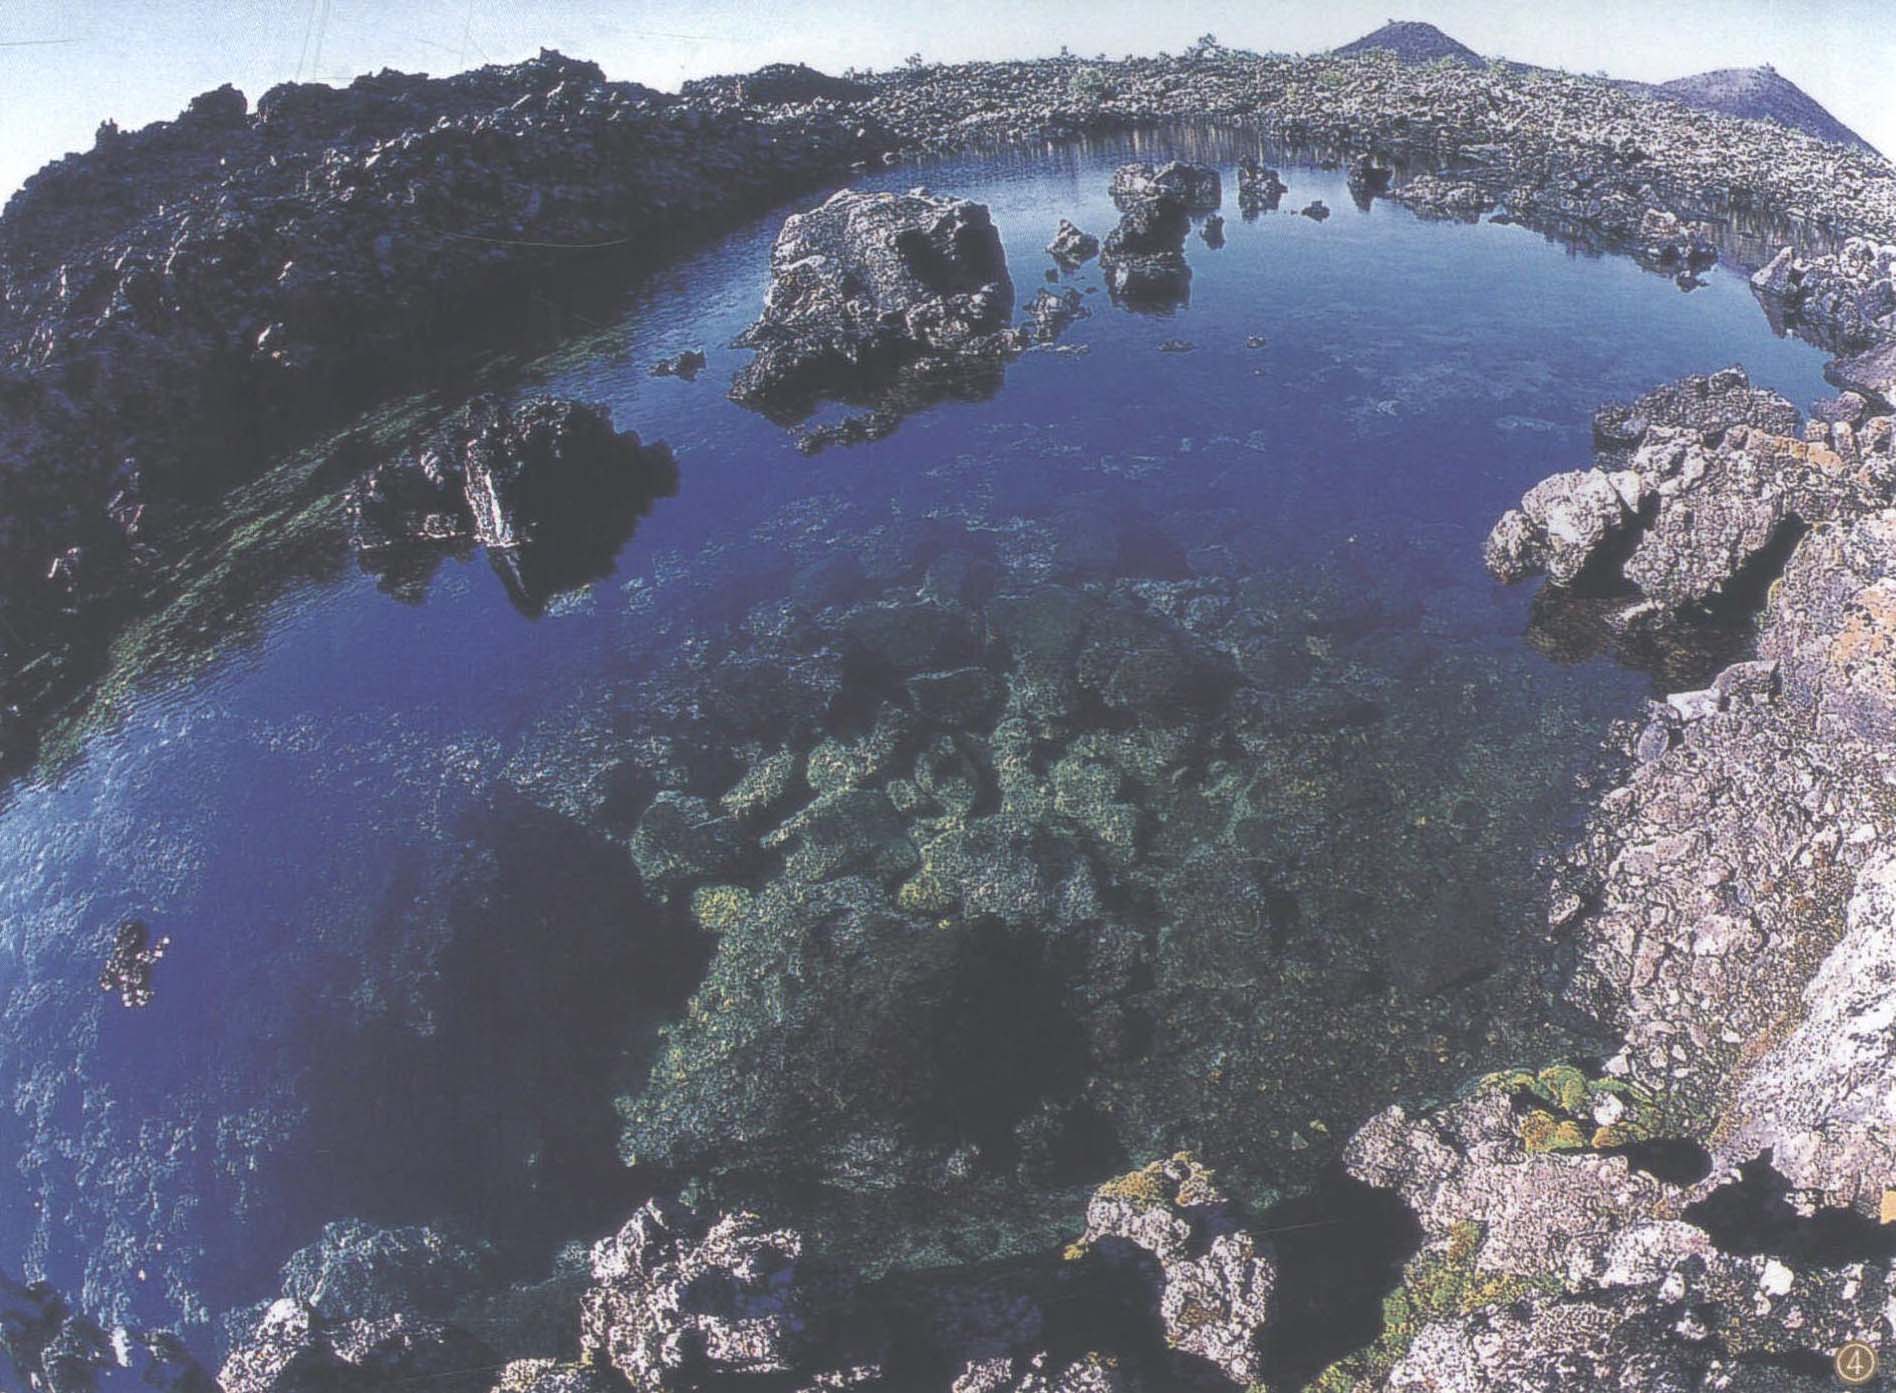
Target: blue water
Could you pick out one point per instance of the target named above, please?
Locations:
(363, 824)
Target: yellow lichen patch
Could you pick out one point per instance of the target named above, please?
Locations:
(1564, 1086)
(1146, 1187)
(718, 907)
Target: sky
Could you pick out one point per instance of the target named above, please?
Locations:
(65, 65)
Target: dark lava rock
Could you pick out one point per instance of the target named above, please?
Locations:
(128, 968)
(869, 284)
(1049, 315)
(777, 84)
(1213, 232)
(547, 485)
(196, 293)
(1070, 246)
(1259, 187)
(1144, 256)
(678, 1298)
(687, 364)
(1369, 175)
(1196, 186)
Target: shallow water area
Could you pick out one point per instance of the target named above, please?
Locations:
(903, 839)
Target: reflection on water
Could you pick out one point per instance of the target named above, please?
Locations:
(903, 838)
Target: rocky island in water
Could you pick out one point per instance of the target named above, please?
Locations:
(1219, 721)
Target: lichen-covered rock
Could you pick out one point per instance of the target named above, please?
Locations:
(1819, 1103)
(868, 284)
(1216, 1284)
(1683, 511)
(1480, 1161)
(1561, 523)
(552, 1376)
(678, 1299)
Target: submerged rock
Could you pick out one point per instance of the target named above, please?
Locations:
(128, 969)
(47, 1348)
(686, 364)
(868, 285)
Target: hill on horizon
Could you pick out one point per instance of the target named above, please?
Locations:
(1413, 41)
(1762, 93)
(1758, 94)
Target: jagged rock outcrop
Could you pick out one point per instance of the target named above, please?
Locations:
(1216, 1285)
(178, 300)
(1844, 300)
(1679, 514)
(1436, 196)
(777, 84)
(870, 285)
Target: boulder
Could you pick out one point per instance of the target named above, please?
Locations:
(1070, 246)
(1144, 256)
(1194, 186)
(1260, 188)
(868, 284)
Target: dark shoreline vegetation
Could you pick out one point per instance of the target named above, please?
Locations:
(1683, 1203)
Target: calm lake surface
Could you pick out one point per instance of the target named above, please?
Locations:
(449, 944)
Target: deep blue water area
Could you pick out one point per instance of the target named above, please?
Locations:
(414, 975)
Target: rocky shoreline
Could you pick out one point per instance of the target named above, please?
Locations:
(1695, 1212)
